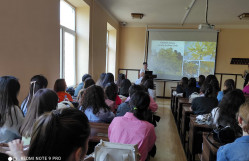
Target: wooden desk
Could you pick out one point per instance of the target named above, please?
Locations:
(181, 102)
(99, 131)
(209, 152)
(195, 138)
(186, 112)
(172, 97)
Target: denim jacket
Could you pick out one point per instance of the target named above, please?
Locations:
(236, 151)
(101, 116)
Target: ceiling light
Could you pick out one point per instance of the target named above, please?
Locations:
(244, 16)
(137, 15)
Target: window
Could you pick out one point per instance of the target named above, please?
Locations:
(67, 37)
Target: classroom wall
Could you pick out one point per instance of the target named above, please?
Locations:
(232, 43)
(30, 40)
(99, 18)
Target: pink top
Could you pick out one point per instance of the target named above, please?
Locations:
(246, 89)
(130, 130)
(153, 105)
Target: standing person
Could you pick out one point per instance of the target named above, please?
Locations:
(145, 68)
(44, 100)
(37, 82)
(133, 127)
(238, 150)
(11, 116)
(94, 106)
(228, 86)
(62, 133)
(81, 85)
(60, 88)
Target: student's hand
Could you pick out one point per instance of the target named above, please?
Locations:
(16, 149)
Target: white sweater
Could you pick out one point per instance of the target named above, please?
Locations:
(8, 132)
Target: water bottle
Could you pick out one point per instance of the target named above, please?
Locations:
(66, 99)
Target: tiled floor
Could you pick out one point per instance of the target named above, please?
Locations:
(169, 147)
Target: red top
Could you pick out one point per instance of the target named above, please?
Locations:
(62, 95)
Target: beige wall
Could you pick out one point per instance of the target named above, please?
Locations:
(82, 41)
(30, 40)
(98, 28)
(132, 45)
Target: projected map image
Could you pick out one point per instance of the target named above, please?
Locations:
(175, 59)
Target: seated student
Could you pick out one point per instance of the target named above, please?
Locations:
(149, 86)
(88, 82)
(121, 77)
(109, 78)
(204, 105)
(138, 81)
(124, 88)
(201, 81)
(225, 113)
(133, 127)
(94, 106)
(44, 100)
(246, 88)
(81, 85)
(100, 80)
(182, 86)
(60, 88)
(228, 86)
(62, 133)
(145, 78)
(11, 116)
(112, 98)
(191, 87)
(125, 107)
(37, 82)
(238, 150)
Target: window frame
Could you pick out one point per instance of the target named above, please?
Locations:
(64, 30)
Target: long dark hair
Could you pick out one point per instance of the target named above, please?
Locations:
(135, 88)
(201, 80)
(145, 78)
(121, 77)
(109, 78)
(149, 84)
(111, 91)
(60, 85)
(9, 88)
(59, 133)
(44, 100)
(191, 82)
(37, 82)
(93, 97)
(184, 82)
(139, 103)
(124, 88)
(88, 82)
(229, 106)
(229, 83)
(246, 79)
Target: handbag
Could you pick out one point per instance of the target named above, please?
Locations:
(224, 134)
(192, 96)
(107, 151)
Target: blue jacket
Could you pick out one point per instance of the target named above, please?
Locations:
(78, 88)
(123, 108)
(101, 116)
(236, 151)
(220, 96)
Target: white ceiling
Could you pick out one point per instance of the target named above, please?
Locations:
(171, 12)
